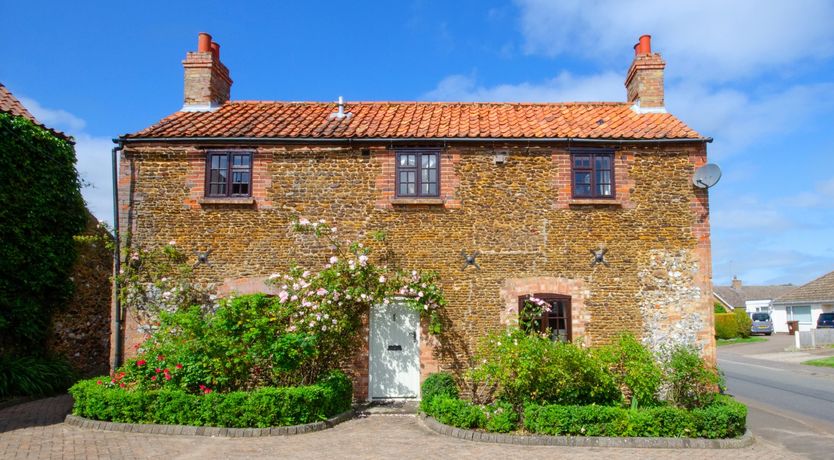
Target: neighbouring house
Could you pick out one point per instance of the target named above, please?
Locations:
(78, 329)
(750, 298)
(804, 304)
(590, 206)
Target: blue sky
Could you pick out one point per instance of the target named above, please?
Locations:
(758, 76)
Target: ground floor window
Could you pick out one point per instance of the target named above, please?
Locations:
(546, 313)
(801, 314)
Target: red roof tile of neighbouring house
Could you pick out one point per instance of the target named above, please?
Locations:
(10, 104)
(422, 120)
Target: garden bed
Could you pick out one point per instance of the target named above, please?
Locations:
(586, 441)
(260, 408)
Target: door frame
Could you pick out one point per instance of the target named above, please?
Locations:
(419, 333)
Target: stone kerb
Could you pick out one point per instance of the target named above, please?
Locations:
(86, 423)
(587, 441)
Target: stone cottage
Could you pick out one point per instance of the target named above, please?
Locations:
(590, 206)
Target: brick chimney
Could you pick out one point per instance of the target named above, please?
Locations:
(736, 283)
(207, 82)
(644, 82)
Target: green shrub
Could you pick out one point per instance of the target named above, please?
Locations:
(438, 383)
(456, 412)
(634, 369)
(103, 399)
(744, 322)
(692, 383)
(726, 326)
(501, 417)
(724, 418)
(718, 308)
(41, 209)
(531, 368)
(34, 376)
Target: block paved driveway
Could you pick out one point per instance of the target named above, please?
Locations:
(36, 430)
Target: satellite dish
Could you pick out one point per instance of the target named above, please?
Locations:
(706, 176)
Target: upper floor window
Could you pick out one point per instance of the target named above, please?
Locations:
(229, 174)
(418, 173)
(546, 314)
(593, 174)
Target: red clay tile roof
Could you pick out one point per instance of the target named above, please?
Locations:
(424, 120)
(10, 104)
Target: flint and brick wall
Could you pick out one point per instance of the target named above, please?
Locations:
(530, 234)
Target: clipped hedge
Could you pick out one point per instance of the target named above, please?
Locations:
(724, 418)
(726, 326)
(259, 408)
(743, 322)
(439, 383)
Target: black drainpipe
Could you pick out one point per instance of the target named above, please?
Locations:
(117, 259)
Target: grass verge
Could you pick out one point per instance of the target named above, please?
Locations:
(751, 339)
(822, 362)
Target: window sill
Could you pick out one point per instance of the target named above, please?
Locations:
(594, 202)
(241, 201)
(418, 201)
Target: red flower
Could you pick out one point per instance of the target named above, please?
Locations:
(141, 362)
(159, 357)
(158, 370)
(167, 376)
(203, 387)
(99, 382)
(207, 391)
(179, 366)
(153, 378)
(122, 385)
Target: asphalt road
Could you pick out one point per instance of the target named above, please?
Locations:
(789, 403)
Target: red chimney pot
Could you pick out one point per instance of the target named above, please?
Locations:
(215, 50)
(645, 44)
(203, 42)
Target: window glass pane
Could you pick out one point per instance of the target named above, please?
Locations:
(240, 160)
(217, 189)
(429, 161)
(582, 178)
(603, 189)
(412, 189)
(403, 189)
(603, 177)
(412, 176)
(424, 175)
(432, 189)
(433, 175)
(801, 314)
(581, 161)
(603, 162)
(403, 160)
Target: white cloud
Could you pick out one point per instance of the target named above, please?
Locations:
(53, 118)
(738, 119)
(708, 40)
(564, 87)
(92, 153)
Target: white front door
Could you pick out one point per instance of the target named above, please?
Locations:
(394, 352)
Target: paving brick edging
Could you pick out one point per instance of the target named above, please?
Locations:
(588, 441)
(186, 430)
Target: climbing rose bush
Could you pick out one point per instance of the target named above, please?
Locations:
(310, 326)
